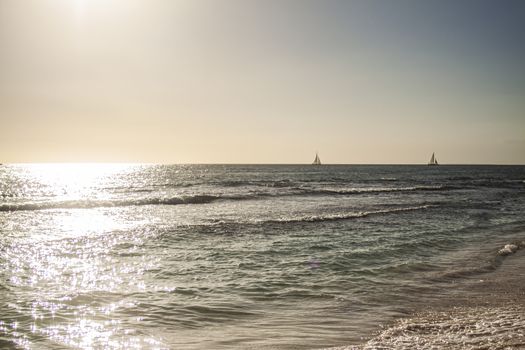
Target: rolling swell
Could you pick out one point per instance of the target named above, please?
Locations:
(87, 204)
(227, 227)
(207, 198)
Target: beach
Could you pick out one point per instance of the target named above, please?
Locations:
(262, 174)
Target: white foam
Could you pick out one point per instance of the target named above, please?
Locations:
(508, 249)
(501, 327)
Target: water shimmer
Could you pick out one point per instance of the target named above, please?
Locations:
(264, 257)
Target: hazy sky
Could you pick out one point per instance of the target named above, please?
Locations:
(269, 81)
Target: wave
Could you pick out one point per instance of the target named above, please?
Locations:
(495, 260)
(87, 204)
(511, 248)
(381, 189)
(346, 216)
(259, 183)
(388, 179)
(299, 190)
(202, 198)
(487, 325)
(473, 183)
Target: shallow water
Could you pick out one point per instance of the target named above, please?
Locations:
(484, 311)
(198, 256)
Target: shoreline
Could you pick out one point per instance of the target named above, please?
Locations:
(486, 311)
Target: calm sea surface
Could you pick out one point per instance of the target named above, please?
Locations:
(238, 256)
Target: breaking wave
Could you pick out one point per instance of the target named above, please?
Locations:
(87, 204)
(491, 264)
(349, 215)
(382, 189)
(478, 327)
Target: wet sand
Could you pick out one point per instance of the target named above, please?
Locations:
(487, 311)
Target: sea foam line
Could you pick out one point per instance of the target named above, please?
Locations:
(350, 215)
(380, 189)
(480, 327)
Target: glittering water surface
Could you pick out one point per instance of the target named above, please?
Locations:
(197, 256)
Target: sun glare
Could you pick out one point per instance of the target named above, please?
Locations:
(80, 7)
(73, 180)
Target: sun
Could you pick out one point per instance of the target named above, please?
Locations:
(80, 7)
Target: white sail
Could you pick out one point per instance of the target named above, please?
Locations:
(317, 160)
(433, 160)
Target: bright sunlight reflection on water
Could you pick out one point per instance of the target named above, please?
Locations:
(66, 264)
(73, 180)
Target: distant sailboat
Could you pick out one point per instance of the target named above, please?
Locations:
(433, 160)
(317, 160)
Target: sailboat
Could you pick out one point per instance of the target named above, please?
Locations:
(317, 160)
(433, 160)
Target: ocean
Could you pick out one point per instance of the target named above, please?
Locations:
(120, 256)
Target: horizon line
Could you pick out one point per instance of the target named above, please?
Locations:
(212, 163)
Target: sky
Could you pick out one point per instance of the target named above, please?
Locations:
(262, 81)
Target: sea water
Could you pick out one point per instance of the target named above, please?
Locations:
(241, 256)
